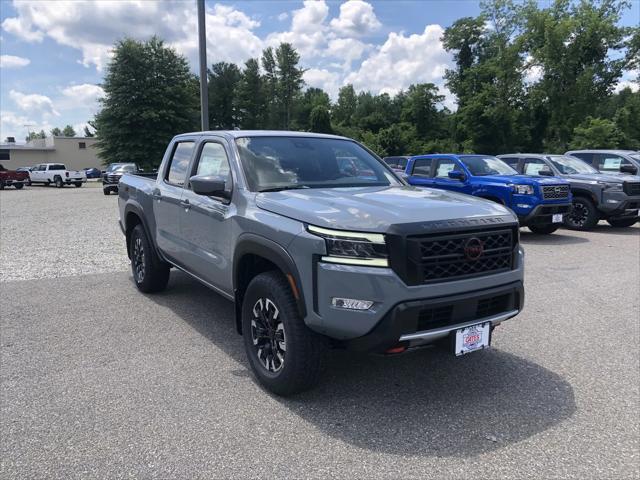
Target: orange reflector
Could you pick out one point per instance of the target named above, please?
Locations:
(294, 288)
(399, 349)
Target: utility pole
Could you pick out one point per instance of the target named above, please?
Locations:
(202, 43)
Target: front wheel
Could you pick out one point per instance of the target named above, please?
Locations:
(149, 272)
(284, 354)
(58, 182)
(544, 229)
(78, 184)
(18, 186)
(583, 215)
(106, 191)
(622, 222)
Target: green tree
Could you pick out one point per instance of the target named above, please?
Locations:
(88, 132)
(320, 120)
(36, 136)
(306, 103)
(420, 108)
(270, 80)
(150, 96)
(68, 131)
(346, 106)
(224, 79)
(596, 133)
(289, 84)
(56, 132)
(251, 96)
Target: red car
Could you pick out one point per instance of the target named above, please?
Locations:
(12, 178)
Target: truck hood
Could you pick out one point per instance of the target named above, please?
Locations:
(374, 209)
(600, 177)
(518, 180)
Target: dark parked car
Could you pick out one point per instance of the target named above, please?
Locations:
(91, 172)
(596, 196)
(112, 175)
(397, 164)
(610, 161)
(14, 178)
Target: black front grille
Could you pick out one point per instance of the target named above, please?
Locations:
(555, 192)
(462, 255)
(111, 178)
(434, 317)
(631, 188)
(492, 306)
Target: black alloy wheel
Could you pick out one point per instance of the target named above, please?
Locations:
(268, 335)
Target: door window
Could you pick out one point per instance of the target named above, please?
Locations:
(608, 162)
(179, 163)
(511, 161)
(422, 167)
(587, 157)
(532, 166)
(445, 166)
(214, 162)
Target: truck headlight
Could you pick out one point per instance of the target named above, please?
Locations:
(353, 248)
(523, 189)
(611, 187)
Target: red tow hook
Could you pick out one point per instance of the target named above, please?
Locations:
(396, 349)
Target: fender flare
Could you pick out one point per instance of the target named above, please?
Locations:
(252, 244)
(135, 208)
(584, 192)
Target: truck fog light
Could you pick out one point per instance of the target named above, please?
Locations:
(613, 201)
(351, 303)
(523, 205)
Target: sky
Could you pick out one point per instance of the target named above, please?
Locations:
(53, 53)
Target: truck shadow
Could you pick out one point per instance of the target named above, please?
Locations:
(425, 403)
(556, 238)
(606, 228)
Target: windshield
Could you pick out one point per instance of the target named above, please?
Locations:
(279, 163)
(480, 166)
(635, 156)
(127, 167)
(571, 165)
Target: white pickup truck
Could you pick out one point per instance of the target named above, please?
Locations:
(57, 174)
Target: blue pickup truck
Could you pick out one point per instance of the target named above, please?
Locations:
(539, 203)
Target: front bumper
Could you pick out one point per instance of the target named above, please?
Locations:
(619, 204)
(421, 322)
(542, 213)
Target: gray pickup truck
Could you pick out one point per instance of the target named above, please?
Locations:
(320, 246)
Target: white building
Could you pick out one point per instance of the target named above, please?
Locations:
(75, 152)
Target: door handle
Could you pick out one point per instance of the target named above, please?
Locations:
(155, 193)
(185, 203)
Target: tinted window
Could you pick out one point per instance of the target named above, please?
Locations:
(481, 166)
(402, 163)
(179, 163)
(4, 154)
(57, 166)
(82, 145)
(422, 167)
(272, 163)
(445, 166)
(214, 162)
(511, 161)
(587, 157)
(610, 163)
(532, 166)
(391, 161)
(568, 165)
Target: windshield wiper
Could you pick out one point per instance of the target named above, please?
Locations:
(285, 187)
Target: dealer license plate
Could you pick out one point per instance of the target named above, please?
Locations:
(472, 338)
(556, 218)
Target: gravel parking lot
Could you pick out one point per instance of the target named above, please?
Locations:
(99, 381)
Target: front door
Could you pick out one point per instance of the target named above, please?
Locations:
(167, 198)
(441, 176)
(205, 222)
(420, 174)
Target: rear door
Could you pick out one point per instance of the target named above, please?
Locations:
(167, 195)
(421, 173)
(205, 222)
(513, 162)
(532, 166)
(610, 162)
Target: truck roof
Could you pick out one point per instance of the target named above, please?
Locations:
(232, 134)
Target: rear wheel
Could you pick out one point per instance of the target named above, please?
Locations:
(18, 186)
(58, 182)
(106, 191)
(284, 354)
(544, 229)
(1, 185)
(149, 272)
(78, 184)
(583, 215)
(622, 222)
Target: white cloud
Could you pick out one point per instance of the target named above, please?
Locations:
(33, 103)
(630, 79)
(403, 60)
(86, 92)
(282, 16)
(356, 18)
(308, 31)
(11, 61)
(347, 49)
(324, 79)
(17, 125)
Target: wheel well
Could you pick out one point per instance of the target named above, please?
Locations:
(131, 220)
(249, 266)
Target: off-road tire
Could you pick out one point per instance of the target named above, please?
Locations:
(106, 191)
(544, 229)
(58, 181)
(78, 184)
(155, 272)
(622, 222)
(583, 215)
(18, 186)
(304, 349)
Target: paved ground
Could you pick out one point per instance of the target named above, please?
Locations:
(99, 381)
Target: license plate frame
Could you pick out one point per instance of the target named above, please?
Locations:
(557, 218)
(472, 338)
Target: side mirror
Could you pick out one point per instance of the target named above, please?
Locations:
(211, 186)
(628, 169)
(545, 172)
(457, 175)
